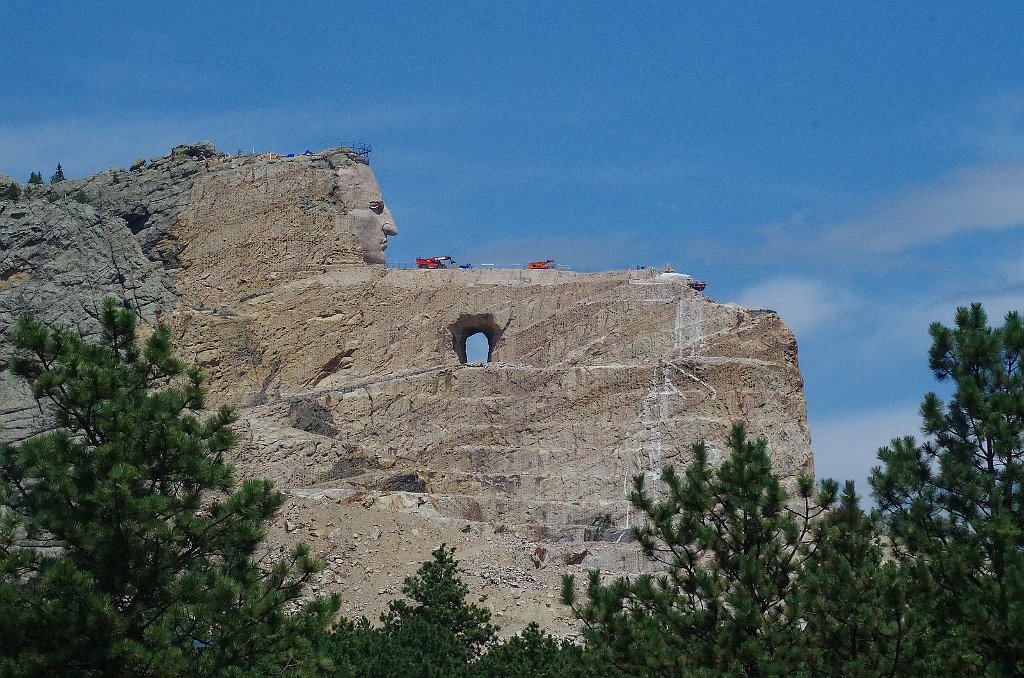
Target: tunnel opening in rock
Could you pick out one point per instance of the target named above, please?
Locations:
(478, 349)
(475, 337)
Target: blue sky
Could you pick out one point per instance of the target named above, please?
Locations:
(859, 168)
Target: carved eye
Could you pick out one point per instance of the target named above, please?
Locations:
(377, 206)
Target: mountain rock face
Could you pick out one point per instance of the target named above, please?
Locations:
(352, 379)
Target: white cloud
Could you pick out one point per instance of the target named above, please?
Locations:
(846, 446)
(998, 131)
(804, 303)
(899, 329)
(88, 144)
(982, 197)
(1008, 276)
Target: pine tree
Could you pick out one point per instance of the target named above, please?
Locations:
(35, 178)
(534, 654)
(125, 547)
(439, 597)
(732, 543)
(58, 175)
(853, 599)
(433, 633)
(11, 192)
(954, 505)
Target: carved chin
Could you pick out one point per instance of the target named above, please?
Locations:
(371, 257)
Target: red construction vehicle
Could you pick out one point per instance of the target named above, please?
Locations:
(541, 265)
(432, 262)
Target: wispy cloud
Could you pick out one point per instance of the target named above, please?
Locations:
(898, 327)
(981, 197)
(998, 131)
(804, 303)
(1008, 276)
(88, 144)
(846, 446)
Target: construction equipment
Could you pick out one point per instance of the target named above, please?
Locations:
(698, 285)
(540, 265)
(432, 262)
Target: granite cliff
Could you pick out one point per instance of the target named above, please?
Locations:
(352, 382)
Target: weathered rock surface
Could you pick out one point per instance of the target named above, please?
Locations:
(351, 379)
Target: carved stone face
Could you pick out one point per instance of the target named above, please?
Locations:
(370, 219)
(260, 222)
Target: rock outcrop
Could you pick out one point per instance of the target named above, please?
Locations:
(352, 379)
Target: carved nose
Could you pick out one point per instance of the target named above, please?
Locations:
(389, 229)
